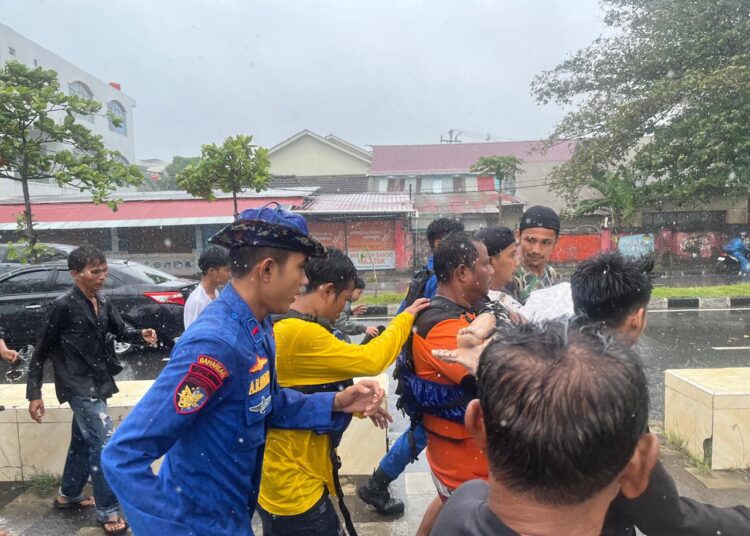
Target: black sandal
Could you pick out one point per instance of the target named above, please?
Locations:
(76, 505)
(116, 521)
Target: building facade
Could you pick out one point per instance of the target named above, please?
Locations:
(74, 81)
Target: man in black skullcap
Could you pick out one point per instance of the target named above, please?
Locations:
(537, 235)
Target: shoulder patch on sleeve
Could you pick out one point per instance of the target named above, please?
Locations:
(203, 379)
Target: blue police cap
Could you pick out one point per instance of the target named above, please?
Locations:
(270, 227)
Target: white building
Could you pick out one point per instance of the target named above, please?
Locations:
(73, 80)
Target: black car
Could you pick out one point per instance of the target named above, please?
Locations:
(145, 297)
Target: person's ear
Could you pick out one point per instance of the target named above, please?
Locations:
(636, 323)
(327, 290)
(474, 421)
(634, 478)
(266, 269)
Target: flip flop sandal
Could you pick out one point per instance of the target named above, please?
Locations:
(76, 505)
(113, 532)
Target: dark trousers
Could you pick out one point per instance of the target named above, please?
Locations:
(92, 428)
(320, 520)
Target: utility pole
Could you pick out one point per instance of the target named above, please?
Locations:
(500, 200)
(453, 135)
(412, 223)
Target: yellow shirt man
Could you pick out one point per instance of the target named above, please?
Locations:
(297, 466)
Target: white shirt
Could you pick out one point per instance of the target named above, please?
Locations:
(196, 302)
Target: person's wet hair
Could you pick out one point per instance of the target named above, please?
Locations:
(244, 258)
(608, 287)
(440, 228)
(454, 250)
(359, 283)
(564, 409)
(337, 268)
(213, 257)
(84, 255)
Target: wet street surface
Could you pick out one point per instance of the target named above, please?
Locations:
(673, 339)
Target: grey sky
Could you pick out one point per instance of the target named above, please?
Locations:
(388, 72)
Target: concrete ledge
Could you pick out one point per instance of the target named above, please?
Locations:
(27, 447)
(708, 411)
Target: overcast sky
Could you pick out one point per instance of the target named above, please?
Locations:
(373, 73)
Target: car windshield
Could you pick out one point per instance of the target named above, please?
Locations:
(146, 274)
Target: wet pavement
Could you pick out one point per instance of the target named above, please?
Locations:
(674, 339)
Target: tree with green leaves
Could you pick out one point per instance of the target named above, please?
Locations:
(168, 179)
(235, 165)
(666, 96)
(40, 138)
(619, 197)
(504, 168)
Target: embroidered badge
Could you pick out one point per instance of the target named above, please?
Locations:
(262, 406)
(260, 362)
(204, 377)
(260, 383)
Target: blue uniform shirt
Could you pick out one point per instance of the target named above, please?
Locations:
(207, 413)
(430, 288)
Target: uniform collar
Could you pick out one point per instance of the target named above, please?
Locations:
(431, 262)
(243, 314)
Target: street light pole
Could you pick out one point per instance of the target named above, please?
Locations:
(499, 200)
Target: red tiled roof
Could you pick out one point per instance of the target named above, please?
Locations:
(462, 203)
(139, 210)
(458, 157)
(357, 203)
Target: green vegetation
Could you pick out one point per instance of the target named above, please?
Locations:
(44, 481)
(679, 444)
(383, 298)
(719, 291)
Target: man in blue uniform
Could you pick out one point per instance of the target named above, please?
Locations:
(208, 411)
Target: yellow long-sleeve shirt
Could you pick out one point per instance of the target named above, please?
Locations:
(296, 465)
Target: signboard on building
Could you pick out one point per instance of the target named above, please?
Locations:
(637, 245)
(369, 243)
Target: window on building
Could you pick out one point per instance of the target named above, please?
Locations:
(396, 185)
(509, 185)
(459, 183)
(79, 89)
(419, 185)
(118, 110)
(11, 51)
(437, 186)
(36, 62)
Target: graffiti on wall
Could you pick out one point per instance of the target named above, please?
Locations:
(637, 245)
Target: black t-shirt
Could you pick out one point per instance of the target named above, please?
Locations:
(466, 514)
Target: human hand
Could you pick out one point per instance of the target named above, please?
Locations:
(363, 397)
(467, 357)
(372, 331)
(36, 410)
(149, 335)
(469, 337)
(516, 317)
(359, 310)
(381, 418)
(417, 307)
(11, 356)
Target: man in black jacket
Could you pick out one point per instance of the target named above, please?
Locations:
(76, 336)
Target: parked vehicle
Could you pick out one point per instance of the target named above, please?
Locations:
(52, 253)
(145, 297)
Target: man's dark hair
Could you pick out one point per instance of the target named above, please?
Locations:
(213, 257)
(564, 408)
(608, 287)
(244, 258)
(359, 283)
(82, 256)
(442, 227)
(337, 268)
(454, 250)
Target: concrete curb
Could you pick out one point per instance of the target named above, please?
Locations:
(656, 304)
